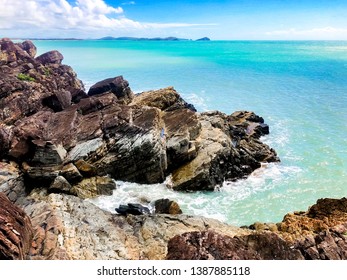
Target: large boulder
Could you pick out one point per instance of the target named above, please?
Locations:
(51, 57)
(16, 231)
(166, 99)
(118, 86)
(29, 47)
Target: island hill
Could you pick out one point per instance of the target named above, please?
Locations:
(60, 145)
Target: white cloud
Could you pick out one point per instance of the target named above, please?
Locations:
(129, 3)
(318, 33)
(47, 16)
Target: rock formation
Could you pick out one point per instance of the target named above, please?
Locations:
(59, 135)
(317, 234)
(60, 145)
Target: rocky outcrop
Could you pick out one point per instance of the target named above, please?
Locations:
(16, 232)
(166, 99)
(60, 145)
(227, 148)
(68, 227)
(208, 245)
(51, 127)
(317, 234)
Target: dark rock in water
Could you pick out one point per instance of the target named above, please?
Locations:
(167, 206)
(16, 231)
(208, 245)
(133, 209)
(118, 86)
(52, 57)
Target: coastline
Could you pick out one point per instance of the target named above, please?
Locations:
(199, 149)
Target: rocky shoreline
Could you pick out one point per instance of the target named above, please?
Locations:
(60, 145)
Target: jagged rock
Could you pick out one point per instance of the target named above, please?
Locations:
(93, 187)
(166, 99)
(71, 173)
(51, 57)
(48, 154)
(167, 206)
(29, 47)
(16, 231)
(11, 181)
(58, 101)
(319, 233)
(157, 134)
(118, 86)
(182, 127)
(132, 209)
(85, 168)
(40, 174)
(10, 52)
(83, 149)
(224, 153)
(208, 245)
(60, 185)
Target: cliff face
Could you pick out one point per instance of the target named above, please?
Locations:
(60, 145)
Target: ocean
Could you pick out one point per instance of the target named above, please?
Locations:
(298, 87)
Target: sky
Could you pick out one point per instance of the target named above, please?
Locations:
(192, 19)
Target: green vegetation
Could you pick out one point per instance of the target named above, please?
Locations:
(24, 77)
(47, 71)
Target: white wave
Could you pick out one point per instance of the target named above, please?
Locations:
(208, 204)
(197, 100)
(262, 179)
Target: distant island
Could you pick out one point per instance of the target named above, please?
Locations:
(204, 39)
(152, 39)
(110, 38)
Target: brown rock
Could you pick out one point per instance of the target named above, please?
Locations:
(208, 245)
(85, 168)
(118, 86)
(51, 57)
(29, 47)
(16, 232)
(166, 206)
(71, 173)
(166, 99)
(93, 187)
(60, 185)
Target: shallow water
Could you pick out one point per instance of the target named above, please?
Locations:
(300, 88)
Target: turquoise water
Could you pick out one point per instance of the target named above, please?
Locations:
(300, 88)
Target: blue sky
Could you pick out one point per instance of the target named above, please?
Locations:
(219, 19)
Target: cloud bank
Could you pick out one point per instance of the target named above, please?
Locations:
(42, 16)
